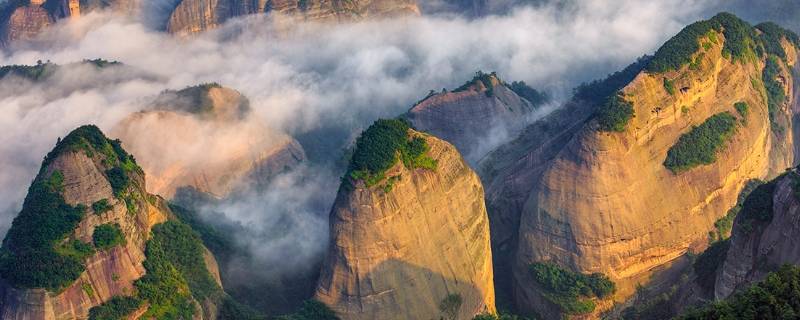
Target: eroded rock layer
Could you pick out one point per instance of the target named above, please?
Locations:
(399, 252)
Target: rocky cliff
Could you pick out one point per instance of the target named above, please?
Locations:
(191, 16)
(208, 142)
(55, 264)
(763, 236)
(604, 199)
(413, 245)
(475, 116)
(22, 22)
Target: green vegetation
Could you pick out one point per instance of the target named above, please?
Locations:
(571, 291)
(176, 272)
(707, 264)
(533, 96)
(757, 207)
(485, 78)
(598, 91)
(29, 258)
(75, 248)
(378, 147)
(101, 206)
(232, 310)
(774, 298)
(501, 316)
(775, 94)
(669, 85)
(740, 42)
(117, 308)
(37, 72)
(198, 98)
(615, 114)
(742, 108)
(107, 236)
(701, 145)
(450, 305)
(771, 35)
(220, 244)
(724, 225)
(311, 310)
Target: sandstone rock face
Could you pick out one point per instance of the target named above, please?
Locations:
(471, 118)
(192, 16)
(215, 151)
(109, 272)
(604, 202)
(757, 248)
(398, 253)
(24, 23)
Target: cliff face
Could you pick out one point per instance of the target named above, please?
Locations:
(472, 117)
(605, 202)
(207, 143)
(400, 252)
(758, 247)
(108, 273)
(23, 23)
(192, 16)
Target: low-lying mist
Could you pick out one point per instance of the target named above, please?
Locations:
(319, 83)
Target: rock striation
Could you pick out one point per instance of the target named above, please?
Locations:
(603, 201)
(475, 116)
(411, 247)
(79, 171)
(208, 142)
(192, 16)
(763, 237)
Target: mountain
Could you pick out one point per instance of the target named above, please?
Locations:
(208, 142)
(90, 242)
(472, 116)
(763, 235)
(622, 181)
(192, 16)
(409, 232)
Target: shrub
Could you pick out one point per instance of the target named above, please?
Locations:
(669, 85)
(758, 205)
(742, 108)
(701, 144)
(450, 305)
(533, 96)
(101, 206)
(739, 43)
(378, 148)
(28, 258)
(116, 308)
(501, 316)
(775, 94)
(176, 272)
(569, 290)
(615, 114)
(707, 264)
(771, 35)
(107, 236)
(773, 298)
(311, 310)
(598, 91)
(118, 180)
(485, 78)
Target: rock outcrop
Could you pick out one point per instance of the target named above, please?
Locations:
(23, 23)
(603, 201)
(208, 143)
(79, 171)
(764, 236)
(476, 116)
(415, 246)
(192, 16)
